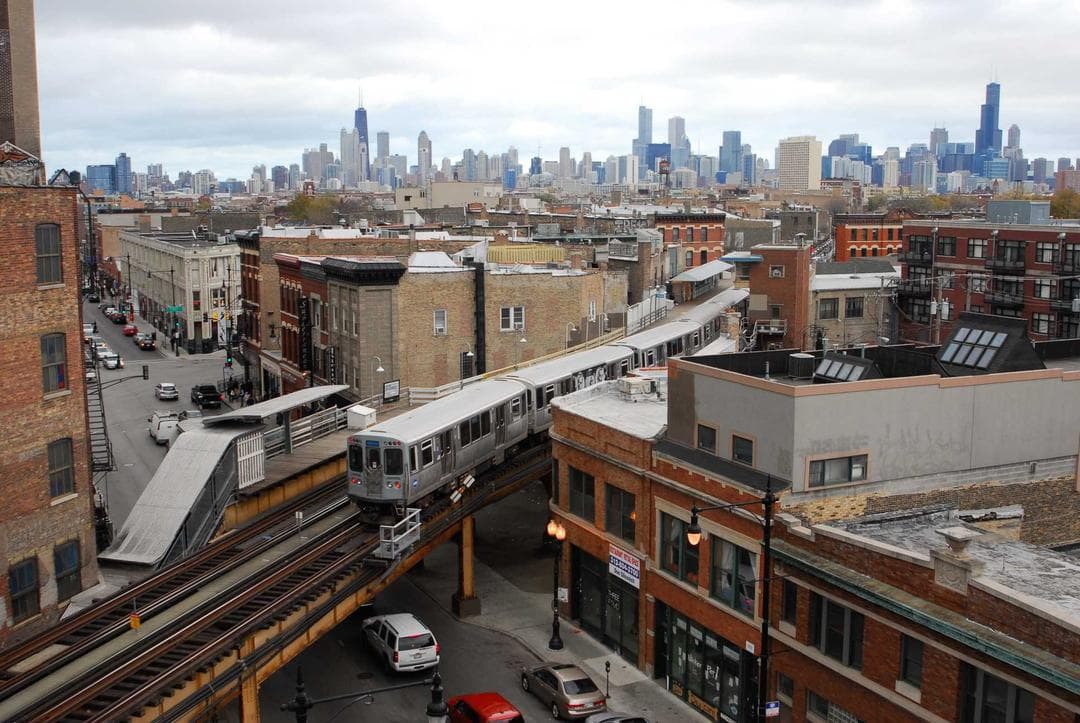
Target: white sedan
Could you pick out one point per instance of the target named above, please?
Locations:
(112, 360)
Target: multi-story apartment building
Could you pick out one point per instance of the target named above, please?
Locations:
(1016, 270)
(851, 303)
(426, 321)
(863, 235)
(700, 235)
(47, 540)
(798, 162)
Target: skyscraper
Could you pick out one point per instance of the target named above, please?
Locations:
(680, 144)
(123, 174)
(798, 162)
(566, 163)
(18, 77)
(360, 124)
(1013, 136)
(731, 152)
(938, 137)
(988, 136)
(351, 168)
(423, 157)
(382, 146)
(644, 124)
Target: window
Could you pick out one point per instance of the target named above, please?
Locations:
(61, 470)
(734, 576)
(1045, 251)
(53, 363)
(582, 494)
(690, 235)
(23, 588)
(836, 631)
(828, 308)
(677, 556)
(1041, 323)
(706, 438)
(1044, 289)
(838, 471)
(853, 307)
(619, 512)
(789, 601)
(511, 318)
(440, 322)
(977, 284)
(889, 234)
(395, 461)
(985, 697)
(675, 235)
(690, 260)
(742, 449)
(976, 248)
(704, 234)
(47, 243)
(742, 272)
(66, 565)
(427, 452)
(911, 650)
(822, 708)
(776, 272)
(515, 408)
(946, 246)
(874, 234)
(704, 257)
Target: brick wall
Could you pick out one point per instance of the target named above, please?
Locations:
(31, 522)
(428, 359)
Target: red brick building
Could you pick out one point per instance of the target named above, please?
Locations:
(304, 330)
(779, 306)
(47, 541)
(866, 235)
(687, 615)
(920, 616)
(701, 235)
(1017, 270)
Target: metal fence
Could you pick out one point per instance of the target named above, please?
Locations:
(304, 430)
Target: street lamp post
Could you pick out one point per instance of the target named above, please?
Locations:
(302, 702)
(558, 532)
(693, 536)
(379, 370)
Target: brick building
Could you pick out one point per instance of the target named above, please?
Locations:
(1016, 270)
(778, 276)
(866, 235)
(920, 615)
(47, 545)
(700, 235)
(422, 323)
(851, 303)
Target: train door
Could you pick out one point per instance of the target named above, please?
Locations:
(500, 425)
(445, 451)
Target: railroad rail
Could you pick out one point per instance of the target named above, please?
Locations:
(333, 564)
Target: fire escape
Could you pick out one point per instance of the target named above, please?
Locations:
(101, 454)
(1067, 301)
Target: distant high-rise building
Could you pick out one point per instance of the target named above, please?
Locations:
(535, 166)
(483, 166)
(423, 157)
(676, 129)
(154, 172)
(988, 135)
(468, 162)
(1013, 137)
(352, 171)
(382, 145)
(1064, 164)
(123, 174)
(798, 162)
(202, 182)
(566, 163)
(280, 176)
(360, 124)
(654, 153)
(294, 176)
(101, 178)
(19, 122)
(731, 152)
(749, 166)
(585, 167)
(512, 159)
(644, 124)
(1040, 170)
(938, 137)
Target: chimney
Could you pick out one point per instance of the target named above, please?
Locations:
(174, 211)
(576, 260)
(412, 239)
(143, 222)
(954, 568)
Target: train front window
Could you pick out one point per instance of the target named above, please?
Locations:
(374, 458)
(356, 457)
(395, 461)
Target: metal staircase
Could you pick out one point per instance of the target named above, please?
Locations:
(101, 454)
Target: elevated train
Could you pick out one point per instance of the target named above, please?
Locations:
(426, 451)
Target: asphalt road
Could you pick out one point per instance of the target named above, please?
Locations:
(129, 402)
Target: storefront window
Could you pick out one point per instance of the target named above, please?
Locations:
(606, 606)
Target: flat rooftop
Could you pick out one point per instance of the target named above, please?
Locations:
(638, 414)
(1049, 577)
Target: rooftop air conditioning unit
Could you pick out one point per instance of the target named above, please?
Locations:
(801, 366)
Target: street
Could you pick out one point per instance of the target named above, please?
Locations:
(129, 402)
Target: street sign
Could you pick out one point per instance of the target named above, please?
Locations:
(772, 709)
(564, 594)
(175, 309)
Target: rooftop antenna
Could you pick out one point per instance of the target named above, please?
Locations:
(361, 96)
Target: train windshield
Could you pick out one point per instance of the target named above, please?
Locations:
(374, 459)
(395, 460)
(356, 457)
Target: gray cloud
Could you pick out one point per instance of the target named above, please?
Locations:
(230, 85)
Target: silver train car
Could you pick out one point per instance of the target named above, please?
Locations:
(396, 463)
(400, 462)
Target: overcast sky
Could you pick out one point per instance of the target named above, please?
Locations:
(227, 85)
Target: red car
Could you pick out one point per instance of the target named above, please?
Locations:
(131, 330)
(483, 707)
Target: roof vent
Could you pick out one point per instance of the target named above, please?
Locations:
(801, 366)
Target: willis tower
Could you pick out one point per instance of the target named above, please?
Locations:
(988, 136)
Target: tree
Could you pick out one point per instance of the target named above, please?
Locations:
(1065, 203)
(312, 209)
(876, 202)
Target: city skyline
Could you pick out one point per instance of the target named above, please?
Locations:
(229, 99)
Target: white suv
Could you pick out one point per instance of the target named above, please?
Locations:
(402, 642)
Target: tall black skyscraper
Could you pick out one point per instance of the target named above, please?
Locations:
(988, 136)
(360, 124)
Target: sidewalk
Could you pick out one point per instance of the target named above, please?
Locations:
(526, 617)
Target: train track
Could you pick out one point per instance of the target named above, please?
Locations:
(142, 673)
(89, 629)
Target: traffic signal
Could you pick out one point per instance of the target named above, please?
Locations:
(228, 358)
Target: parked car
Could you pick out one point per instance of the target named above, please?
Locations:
(131, 330)
(166, 391)
(93, 297)
(402, 642)
(483, 708)
(119, 317)
(87, 332)
(611, 717)
(206, 395)
(112, 360)
(101, 350)
(107, 309)
(565, 688)
(163, 424)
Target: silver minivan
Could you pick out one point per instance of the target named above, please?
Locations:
(402, 641)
